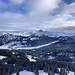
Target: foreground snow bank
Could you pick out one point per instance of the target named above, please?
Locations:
(25, 72)
(40, 73)
(31, 73)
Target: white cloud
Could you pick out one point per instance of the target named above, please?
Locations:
(43, 6)
(62, 19)
(17, 2)
(15, 21)
(41, 10)
(2, 4)
(39, 16)
(10, 17)
(68, 9)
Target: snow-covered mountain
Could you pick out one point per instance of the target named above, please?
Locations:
(32, 40)
(52, 34)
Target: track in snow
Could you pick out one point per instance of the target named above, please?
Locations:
(37, 47)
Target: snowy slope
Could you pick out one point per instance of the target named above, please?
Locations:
(30, 58)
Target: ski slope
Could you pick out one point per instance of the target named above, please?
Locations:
(37, 47)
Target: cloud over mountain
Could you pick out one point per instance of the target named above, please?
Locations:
(36, 14)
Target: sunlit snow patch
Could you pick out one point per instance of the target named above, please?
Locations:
(2, 57)
(30, 58)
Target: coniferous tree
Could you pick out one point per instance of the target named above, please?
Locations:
(63, 71)
(17, 73)
(36, 72)
(49, 71)
(17, 69)
(45, 68)
(67, 68)
(0, 72)
(3, 70)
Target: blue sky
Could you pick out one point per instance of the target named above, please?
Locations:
(28, 15)
(68, 1)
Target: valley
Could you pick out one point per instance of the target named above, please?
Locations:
(37, 49)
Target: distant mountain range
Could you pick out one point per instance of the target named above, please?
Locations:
(32, 40)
